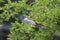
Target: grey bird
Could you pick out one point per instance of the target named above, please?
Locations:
(37, 25)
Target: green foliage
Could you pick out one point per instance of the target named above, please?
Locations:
(46, 12)
(1, 1)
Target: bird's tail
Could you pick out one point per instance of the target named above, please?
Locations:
(39, 26)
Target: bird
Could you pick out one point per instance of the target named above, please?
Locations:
(28, 21)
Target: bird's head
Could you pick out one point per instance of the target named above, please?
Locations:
(24, 16)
